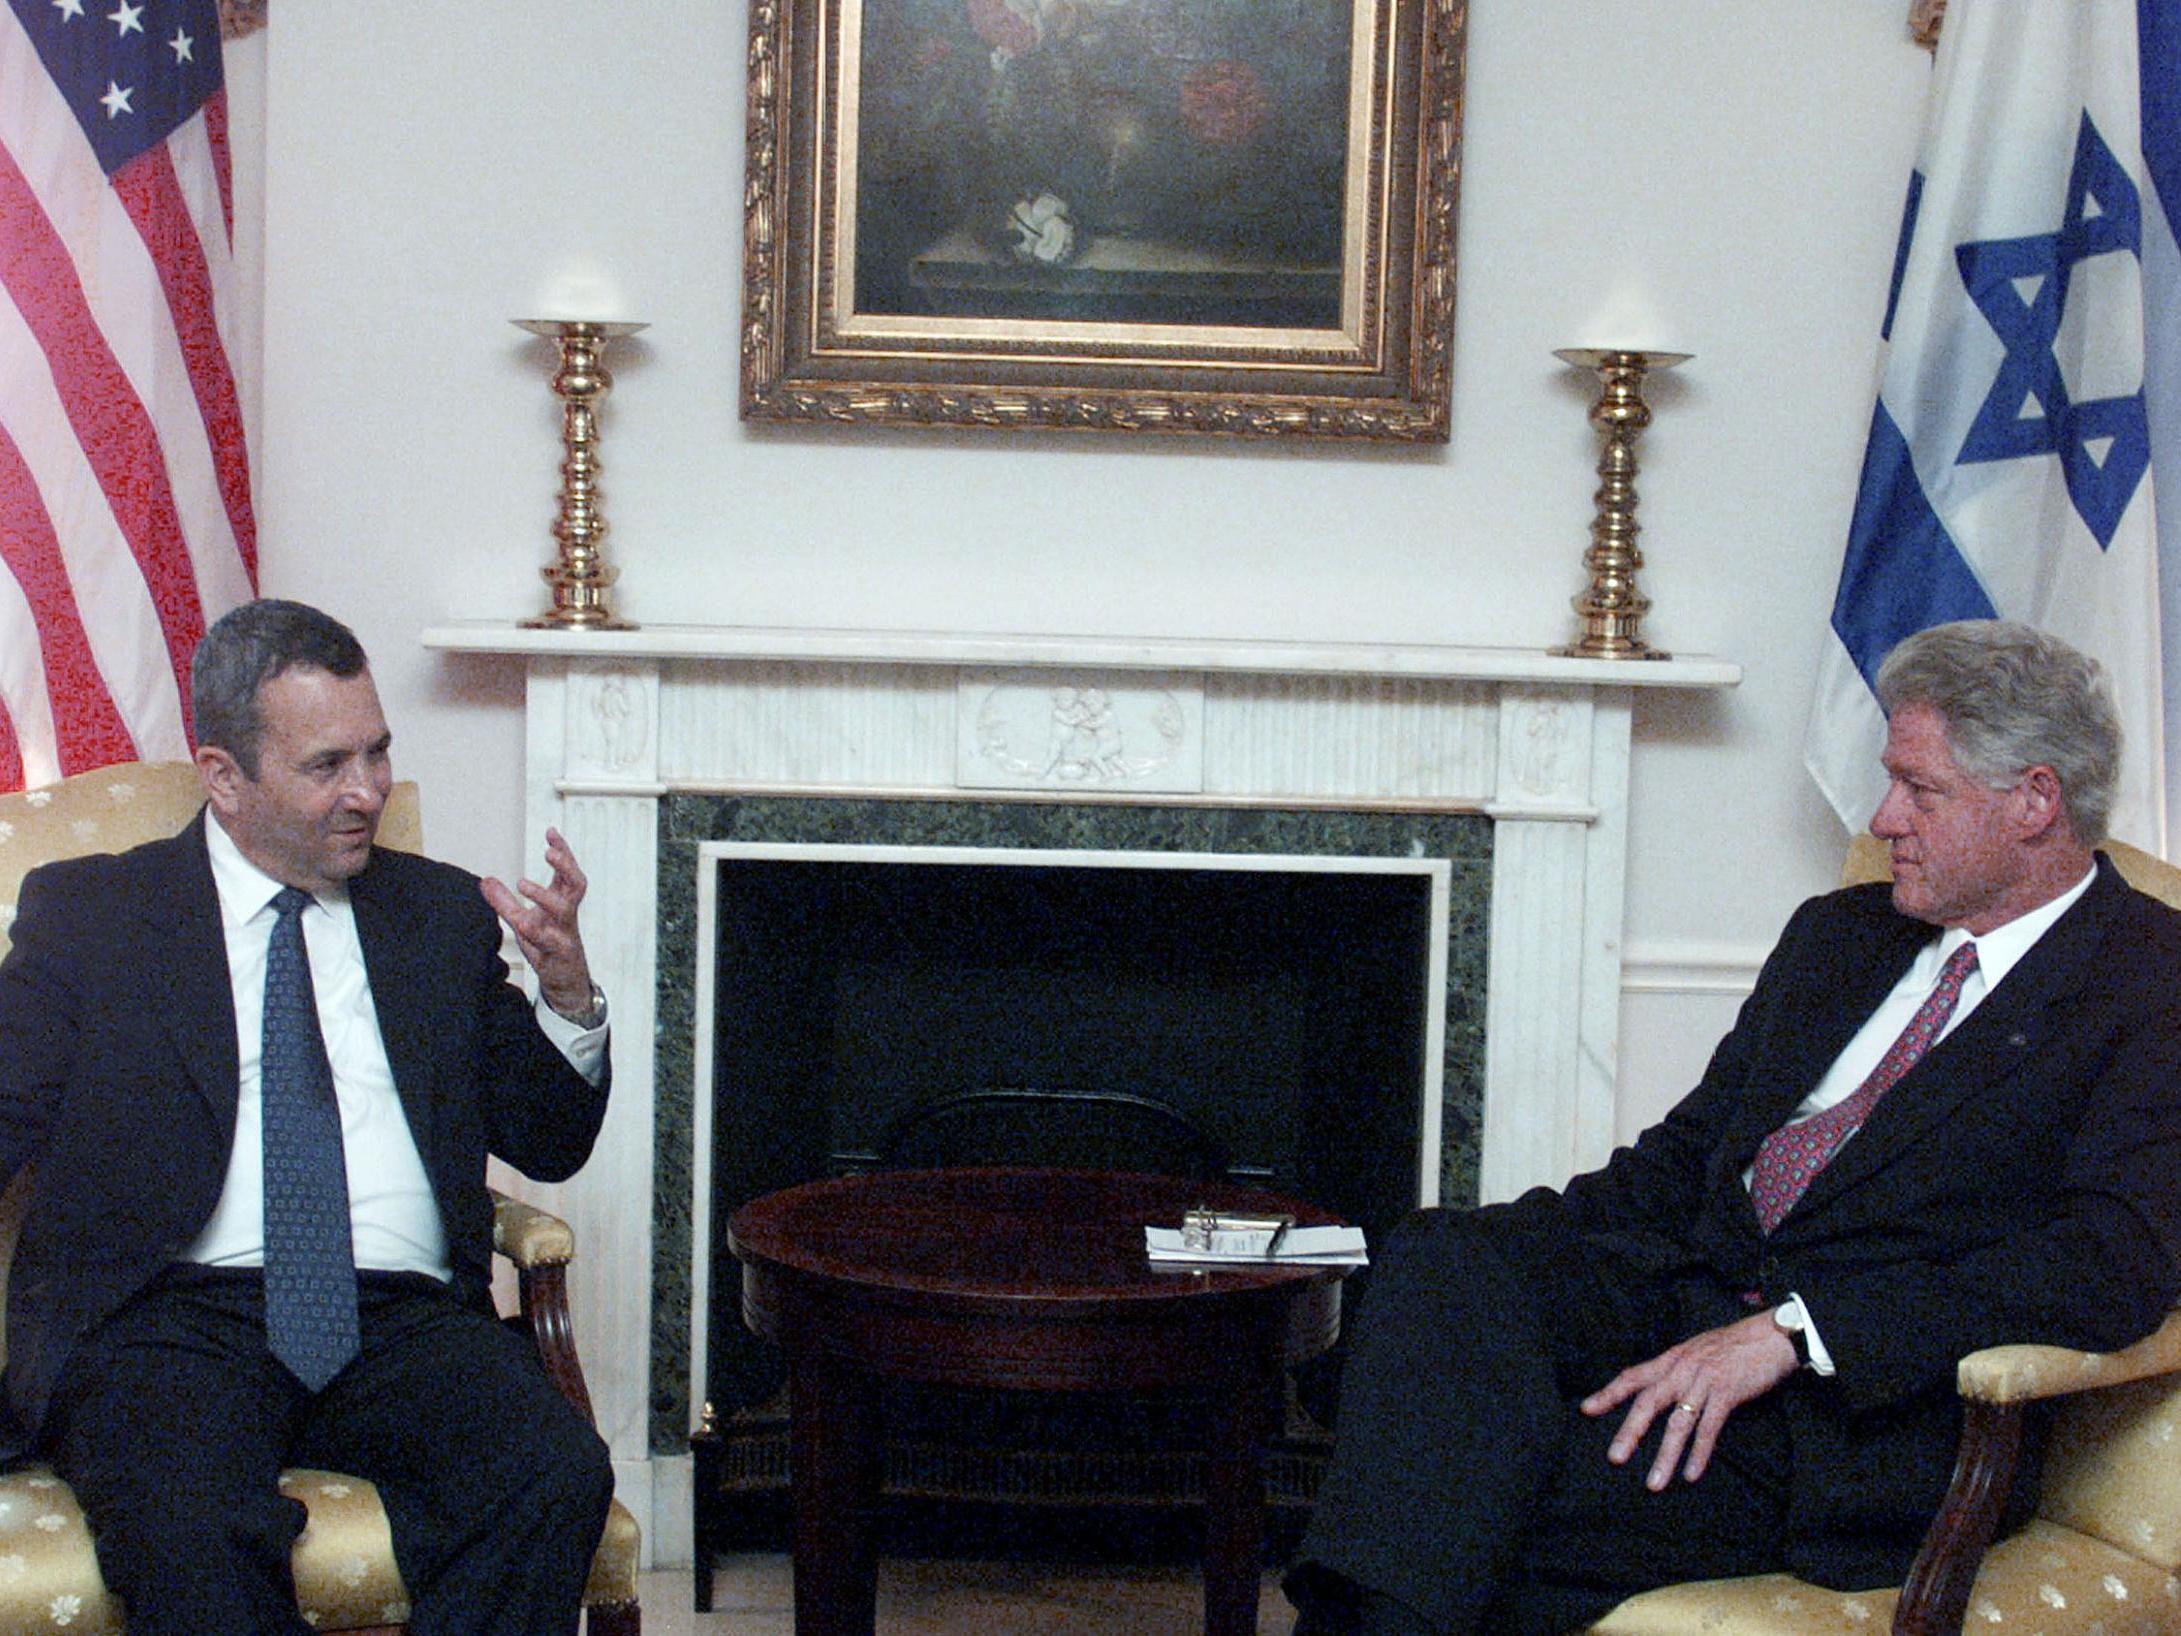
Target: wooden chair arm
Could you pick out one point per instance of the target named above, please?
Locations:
(1996, 1383)
(1935, 1597)
(541, 1246)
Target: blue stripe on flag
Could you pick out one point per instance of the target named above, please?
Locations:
(1903, 571)
(1900, 250)
(2158, 28)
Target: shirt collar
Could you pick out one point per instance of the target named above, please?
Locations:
(245, 890)
(1999, 949)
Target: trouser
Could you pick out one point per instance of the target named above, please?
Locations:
(1467, 1485)
(172, 1423)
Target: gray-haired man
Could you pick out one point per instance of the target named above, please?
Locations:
(1945, 1119)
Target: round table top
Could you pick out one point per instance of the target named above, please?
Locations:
(1022, 1278)
(978, 1236)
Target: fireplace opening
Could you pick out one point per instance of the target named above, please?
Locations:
(1271, 1019)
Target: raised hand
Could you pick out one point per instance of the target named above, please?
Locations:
(545, 927)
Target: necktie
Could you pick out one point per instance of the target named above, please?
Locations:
(1791, 1156)
(310, 1265)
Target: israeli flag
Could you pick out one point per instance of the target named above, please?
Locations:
(2031, 380)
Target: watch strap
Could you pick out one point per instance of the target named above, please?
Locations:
(592, 1015)
(1789, 1321)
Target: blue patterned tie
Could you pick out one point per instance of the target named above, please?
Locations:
(310, 1263)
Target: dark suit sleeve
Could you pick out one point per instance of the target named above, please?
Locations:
(38, 1022)
(540, 1115)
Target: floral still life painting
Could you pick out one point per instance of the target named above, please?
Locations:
(1158, 215)
(1157, 161)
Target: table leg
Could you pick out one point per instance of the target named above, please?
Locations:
(705, 1500)
(1234, 1501)
(835, 1457)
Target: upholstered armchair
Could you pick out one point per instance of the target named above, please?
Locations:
(2102, 1554)
(344, 1562)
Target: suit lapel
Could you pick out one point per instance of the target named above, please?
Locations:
(1855, 975)
(398, 967)
(2009, 1026)
(180, 911)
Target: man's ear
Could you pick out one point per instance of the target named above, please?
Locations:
(222, 777)
(2044, 807)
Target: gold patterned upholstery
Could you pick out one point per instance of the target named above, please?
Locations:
(2099, 1559)
(345, 1577)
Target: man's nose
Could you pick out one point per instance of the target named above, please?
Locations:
(1886, 821)
(364, 791)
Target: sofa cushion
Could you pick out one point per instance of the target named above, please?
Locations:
(344, 1561)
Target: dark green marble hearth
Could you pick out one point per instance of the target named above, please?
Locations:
(686, 821)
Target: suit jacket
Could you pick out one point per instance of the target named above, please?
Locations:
(118, 1075)
(2018, 1184)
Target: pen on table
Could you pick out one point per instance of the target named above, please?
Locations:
(1272, 1245)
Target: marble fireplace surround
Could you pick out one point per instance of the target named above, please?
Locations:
(615, 721)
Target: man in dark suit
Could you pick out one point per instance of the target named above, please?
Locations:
(258, 1068)
(1946, 1118)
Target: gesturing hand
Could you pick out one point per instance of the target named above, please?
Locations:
(545, 927)
(1694, 1387)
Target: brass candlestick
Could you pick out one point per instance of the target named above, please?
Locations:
(1611, 606)
(581, 577)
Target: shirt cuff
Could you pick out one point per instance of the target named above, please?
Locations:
(585, 1048)
(1821, 1361)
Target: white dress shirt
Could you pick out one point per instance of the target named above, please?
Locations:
(393, 1217)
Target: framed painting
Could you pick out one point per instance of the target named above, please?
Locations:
(1150, 215)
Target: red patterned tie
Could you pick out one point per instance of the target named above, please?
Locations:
(1792, 1156)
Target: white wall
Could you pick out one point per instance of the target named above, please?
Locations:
(1704, 174)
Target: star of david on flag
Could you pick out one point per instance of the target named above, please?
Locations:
(2031, 382)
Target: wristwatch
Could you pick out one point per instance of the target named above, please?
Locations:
(592, 1015)
(1794, 1323)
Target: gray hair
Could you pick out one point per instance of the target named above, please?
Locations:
(247, 648)
(2012, 698)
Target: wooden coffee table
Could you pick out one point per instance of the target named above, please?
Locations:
(1020, 1279)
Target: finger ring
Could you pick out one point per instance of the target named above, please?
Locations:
(1685, 1408)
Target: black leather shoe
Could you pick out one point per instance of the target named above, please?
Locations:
(1325, 1603)
(1330, 1605)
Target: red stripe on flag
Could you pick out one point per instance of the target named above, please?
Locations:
(215, 130)
(11, 753)
(118, 437)
(149, 191)
(88, 726)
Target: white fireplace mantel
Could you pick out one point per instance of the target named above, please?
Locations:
(1539, 743)
(752, 644)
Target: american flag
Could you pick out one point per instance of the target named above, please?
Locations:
(125, 520)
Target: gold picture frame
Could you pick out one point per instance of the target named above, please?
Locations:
(1228, 216)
